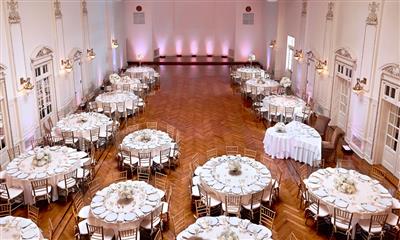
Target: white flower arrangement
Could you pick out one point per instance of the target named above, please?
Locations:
(41, 158)
(251, 57)
(82, 119)
(125, 190)
(285, 82)
(114, 78)
(345, 185)
(280, 127)
(145, 138)
(228, 234)
(126, 78)
(234, 167)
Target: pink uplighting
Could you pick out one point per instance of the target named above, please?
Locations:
(178, 46)
(194, 48)
(209, 47)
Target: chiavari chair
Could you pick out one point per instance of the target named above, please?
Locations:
(13, 152)
(250, 153)
(377, 173)
(255, 203)
(232, 205)
(166, 205)
(98, 232)
(211, 153)
(69, 138)
(201, 209)
(15, 199)
(232, 150)
(179, 222)
(145, 160)
(267, 217)
(163, 159)
(128, 234)
(151, 125)
(79, 206)
(67, 185)
(160, 181)
(171, 131)
(143, 174)
(121, 176)
(33, 213)
(289, 114)
(341, 222)
(268, 196)
(315, 210)
(80, 228)
(272, 113)
(5, 209)
(41, 190)
(373, 227)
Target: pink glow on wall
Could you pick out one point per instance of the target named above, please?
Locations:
(114, 59)
(245, 50)
(209, 47)
(99, 76)
(178, 46)
(268, 62)
(194, 47)
(225, 48)
(161, 44)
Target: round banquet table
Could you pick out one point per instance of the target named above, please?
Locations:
(111, 211)
(210, 228)
(82, 123)
(147, 140)
(115, 97)
(134, 83)
(140, 72)
(284, 101)
(218, 181)
(19, 228)
(370, 197)
(21, 170)
(261, 86)
(299, 142)
(250, 72)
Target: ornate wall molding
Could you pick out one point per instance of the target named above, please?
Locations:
(57, 9)
(344, 53)
(84, 7)
(372, 18)
(329, 14)
(304, 8)
(392, 69)
(13, 15)
(41, 52)
(75, 54)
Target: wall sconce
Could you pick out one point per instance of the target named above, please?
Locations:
(298, 55)
(26, 83)
(272, 44)
(90, 54)
(66, 64)
(358, 88)
(114, 43)
(321, 66)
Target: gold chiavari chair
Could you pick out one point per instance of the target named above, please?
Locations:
(268, 196)
(97, 232)
(33, 213)
(151, 125)
(179, 222)
(145, 160)
(373, 227)
(41, 190)
(272, 113)
(341, 222)
(80, 207)
(250, 153)
(195, 162)
(68, 184)
(232, 205)
(267, 217)
(5, 209)
(377, 173)
(232, 150)
(121, 176)
(255, 204)
(201, 209)
(15, 199)
(315, 210)
(211, 153)
(143, 174)
(14, 152)
(129, 234)
(160, 181)
(171, 131)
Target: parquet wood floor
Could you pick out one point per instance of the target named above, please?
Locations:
(200, 102)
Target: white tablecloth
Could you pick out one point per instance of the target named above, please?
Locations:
(370, 197)
(140, 72)
(300, 142)
(116, 97)
(109, 210)
(19, 228)
(261, 86)
(82, 123)
(147, 140)
(134, 83)
(249, 72)
(284, 101)
(218, 181)
(211, 228)
(21, 171)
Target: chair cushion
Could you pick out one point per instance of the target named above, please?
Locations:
(392, 219)
(364, 224)
(13, 192)
(323, 210)
(340, 224)
(82, 227)
(132, 161)
(84, 212)
(195, 191)
(196, 180)
(85, 161)
(3, 174)
(255, 206)
(159, 160)
(80, 172)
(165, 208)
(70, 183)
(161, 193)
(41, 191)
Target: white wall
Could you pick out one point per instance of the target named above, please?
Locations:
(197, 27)
(347, 30)
(38, 28)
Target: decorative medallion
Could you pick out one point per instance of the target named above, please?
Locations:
(248, 9)
(372, 18)
(329, 14)
(57, 9)
(304, 8)
(84, 7)
(392, 69)
(139, 8)
(13, 16)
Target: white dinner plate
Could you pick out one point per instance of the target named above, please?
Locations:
(365, 177)
(210, 220)
(25, 222)
(146, 208)
(59, 170)
(99, 210)
(340, 203)
(236, 190)
(218, 186)
(23, 175)
(385, 201)
(234, 221)
(369, 207)
(111, 217)
(153, 197)
(313, 180)
(12, 170)
(98, 198)
(31, 233)
(129, 216)
(321, 193)
(41, 175)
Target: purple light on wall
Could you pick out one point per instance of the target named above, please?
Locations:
(114, 58)
(178, 46)
(225, 48)
(209, 47)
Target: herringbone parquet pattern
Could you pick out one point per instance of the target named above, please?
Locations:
(201, 104)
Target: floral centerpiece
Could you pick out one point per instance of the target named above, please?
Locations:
(125, 192)
(280, 127)
(234, 167)
(285, 82)
(144, 138)
(114, 78)
(251, 58)
(82, 119)
(345, 185)
(260, 81)
(228, 234)
(41, 158)
(126, 78)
